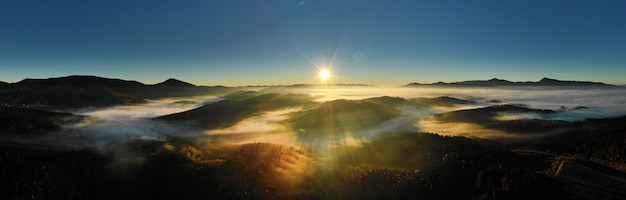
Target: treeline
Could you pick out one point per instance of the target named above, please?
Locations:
(436, 167)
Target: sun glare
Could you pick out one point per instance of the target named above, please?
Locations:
(324, 74)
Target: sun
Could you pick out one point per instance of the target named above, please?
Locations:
(324, 74)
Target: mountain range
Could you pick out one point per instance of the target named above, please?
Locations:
(342, 149)
(501, 82)
(93, 91)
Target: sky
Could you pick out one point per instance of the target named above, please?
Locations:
(266, 42)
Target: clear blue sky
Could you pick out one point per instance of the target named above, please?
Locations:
(244, 42)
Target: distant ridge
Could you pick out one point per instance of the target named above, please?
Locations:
(93, 91)
(174, 83)
(501, 82)
(78, 80)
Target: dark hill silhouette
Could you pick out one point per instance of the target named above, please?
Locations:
(82, 81)
(28, 121)
(174, 83)
(554, 82)
(70, 91)
(66, 97)
(486, 114)
(441, 101)
(501, 82)
(175, 88)
(4, 84)
(93, 91)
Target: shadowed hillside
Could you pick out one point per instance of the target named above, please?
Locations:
(67, 96)
(29, 121)
(486, 114)
(441, 101)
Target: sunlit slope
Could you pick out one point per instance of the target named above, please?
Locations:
(487, 114)
(506, 119)
(397, 166)
(339, 117)
(228, 112)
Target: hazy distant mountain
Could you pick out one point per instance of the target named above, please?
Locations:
(554, 82)
(174, 83)
(500, 82)
(85, 91)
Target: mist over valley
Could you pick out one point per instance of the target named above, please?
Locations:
(307, 142)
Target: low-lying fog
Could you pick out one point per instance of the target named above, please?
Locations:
(611, 100)
(109, 126)
(598, 103)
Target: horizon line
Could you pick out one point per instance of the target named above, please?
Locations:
(306, 84)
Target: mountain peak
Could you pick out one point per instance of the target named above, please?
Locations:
(546, 79)
(171, 82)
(498, 80)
